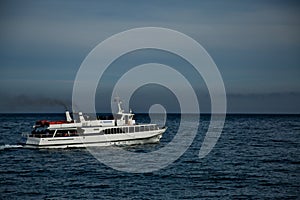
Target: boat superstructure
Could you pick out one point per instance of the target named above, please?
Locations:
(118, 130)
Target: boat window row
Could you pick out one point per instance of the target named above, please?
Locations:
(44, 133)
(130, 129)
(66, 133)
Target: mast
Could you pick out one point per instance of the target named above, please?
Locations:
(119, 102)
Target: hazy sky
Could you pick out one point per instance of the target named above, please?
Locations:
(255, 44)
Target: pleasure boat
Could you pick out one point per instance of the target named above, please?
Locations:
(122, 129)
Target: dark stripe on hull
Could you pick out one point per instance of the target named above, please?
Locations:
(87, 143)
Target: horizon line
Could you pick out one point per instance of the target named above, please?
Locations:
(204, 113)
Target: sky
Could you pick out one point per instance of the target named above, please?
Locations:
(255, 45)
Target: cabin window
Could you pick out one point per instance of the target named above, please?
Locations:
(107, 131)
(142, 128)
(131, 129)
(146, 128)
(137, 129)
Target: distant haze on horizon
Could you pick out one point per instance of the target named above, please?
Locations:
(255, 44)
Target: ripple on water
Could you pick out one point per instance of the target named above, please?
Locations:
(257, 156)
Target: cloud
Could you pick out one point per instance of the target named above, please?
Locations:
(254, 43)
(216, 24)
(285, 102)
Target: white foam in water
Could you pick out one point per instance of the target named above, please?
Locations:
(10, 146)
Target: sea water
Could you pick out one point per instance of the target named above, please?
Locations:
(257, 156)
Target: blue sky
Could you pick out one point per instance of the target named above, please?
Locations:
(255, 44)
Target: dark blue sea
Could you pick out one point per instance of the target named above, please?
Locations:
(256, 157)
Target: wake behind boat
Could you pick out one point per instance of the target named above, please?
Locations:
(120, 130)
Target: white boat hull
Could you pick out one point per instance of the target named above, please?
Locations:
(87, 140)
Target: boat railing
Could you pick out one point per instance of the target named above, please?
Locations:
(25, 134)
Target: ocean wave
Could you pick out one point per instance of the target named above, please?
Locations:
(10, 146)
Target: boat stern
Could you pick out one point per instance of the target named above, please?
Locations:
(30, 142)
